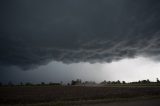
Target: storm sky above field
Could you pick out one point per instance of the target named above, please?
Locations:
(63, 38)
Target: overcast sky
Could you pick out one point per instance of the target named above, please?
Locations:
(60, 40)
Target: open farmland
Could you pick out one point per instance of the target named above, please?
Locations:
(55, 95)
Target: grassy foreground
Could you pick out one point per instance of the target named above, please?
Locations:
(73, 95)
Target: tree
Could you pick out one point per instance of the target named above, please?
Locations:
(78, 81)
(28, 84)
(73, 82)
(42, 83)
(54, 84)
(148, 81)
(118, 82)
(158, 80)
(123, 82)
(1, 84)
(104, 82)
(144, 81)
(109, 82)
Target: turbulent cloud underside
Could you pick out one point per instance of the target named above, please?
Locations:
(36, 32)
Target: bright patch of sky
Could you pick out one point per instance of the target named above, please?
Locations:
(139, 68)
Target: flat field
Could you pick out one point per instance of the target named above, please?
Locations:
(74, 95)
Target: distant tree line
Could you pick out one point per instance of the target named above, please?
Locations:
(81, 83)
(31, 84)
(136, 82)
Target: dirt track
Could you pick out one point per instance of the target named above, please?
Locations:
(154, 102)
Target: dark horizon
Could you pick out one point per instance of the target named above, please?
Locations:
(144, 81)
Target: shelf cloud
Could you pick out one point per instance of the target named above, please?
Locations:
(35, 32)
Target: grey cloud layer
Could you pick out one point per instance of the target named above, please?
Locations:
(34, 32)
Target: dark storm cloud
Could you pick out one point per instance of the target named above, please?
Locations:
(34, 32)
